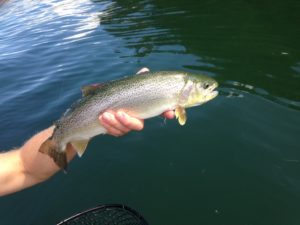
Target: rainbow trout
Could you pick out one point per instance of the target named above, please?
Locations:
(143, 96)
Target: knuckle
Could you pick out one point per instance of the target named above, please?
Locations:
(127, 123)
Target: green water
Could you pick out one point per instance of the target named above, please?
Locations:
(235, 162)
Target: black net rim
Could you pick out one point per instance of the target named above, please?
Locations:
(102, 207)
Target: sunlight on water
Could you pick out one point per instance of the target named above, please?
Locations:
(237, 155)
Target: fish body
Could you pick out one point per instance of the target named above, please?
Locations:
(142, 96)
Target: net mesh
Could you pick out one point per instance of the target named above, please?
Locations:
(106, 215)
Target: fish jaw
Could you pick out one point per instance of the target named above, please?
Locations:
(209, 93)
(201, 92)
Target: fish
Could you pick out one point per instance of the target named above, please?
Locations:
(143, 96)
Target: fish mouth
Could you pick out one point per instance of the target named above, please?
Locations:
(211, 92)
(201, 95)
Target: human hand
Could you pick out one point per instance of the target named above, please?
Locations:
(119, 123)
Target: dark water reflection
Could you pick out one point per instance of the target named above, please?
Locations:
(237, 160)
(241, 41)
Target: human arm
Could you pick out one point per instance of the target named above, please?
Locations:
(26, 166)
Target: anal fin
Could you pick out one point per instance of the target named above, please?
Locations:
(180, 115)
(80, 146)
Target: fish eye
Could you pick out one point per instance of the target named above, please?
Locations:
(205, 85)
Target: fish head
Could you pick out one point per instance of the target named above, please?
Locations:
(199, 89)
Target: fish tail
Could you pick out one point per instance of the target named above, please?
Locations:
(50, 148)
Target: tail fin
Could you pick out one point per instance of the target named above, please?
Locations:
(50, 148)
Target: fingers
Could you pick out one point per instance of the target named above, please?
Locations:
(112, 125)
(169, 114)
(129, 122)
(119, 123)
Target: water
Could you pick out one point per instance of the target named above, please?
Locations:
(236, 161)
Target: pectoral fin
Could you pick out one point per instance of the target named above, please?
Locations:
(80, 146)
(180, 115)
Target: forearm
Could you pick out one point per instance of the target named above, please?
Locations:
(10, 175)
(26, 166)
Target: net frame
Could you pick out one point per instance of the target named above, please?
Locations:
(105, 208)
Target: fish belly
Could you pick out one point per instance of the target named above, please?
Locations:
(84, 133)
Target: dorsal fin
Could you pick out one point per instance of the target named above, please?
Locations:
(91, 89)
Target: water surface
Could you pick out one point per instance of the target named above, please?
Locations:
(236, 161)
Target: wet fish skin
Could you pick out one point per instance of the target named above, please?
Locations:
(142, 96)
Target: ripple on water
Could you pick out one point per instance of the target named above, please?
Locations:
(246, 145)
(47, 30)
